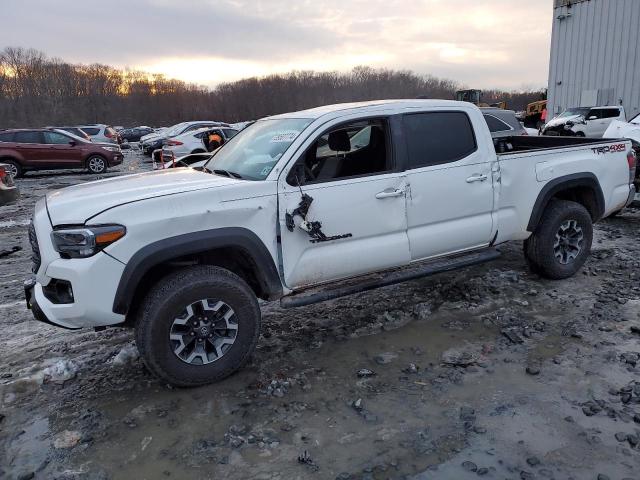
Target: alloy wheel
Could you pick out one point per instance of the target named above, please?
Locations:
(568, 244)
(204, 332)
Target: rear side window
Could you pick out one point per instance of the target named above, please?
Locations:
(6, 137)
(495, 124)
(91, 130)
(609, 112)
(435, 138)
(27, 137)
(594, 113)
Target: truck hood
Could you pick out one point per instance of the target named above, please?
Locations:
(77, 204)
(618, 129)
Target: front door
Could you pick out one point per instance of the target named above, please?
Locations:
(62, 153)
(450, 201)
(355, 193)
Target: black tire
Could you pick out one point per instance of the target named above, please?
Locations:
(15, 166)
(551, 250)
(580, 134)
(169, 298)
(97, 164)
(528, 248)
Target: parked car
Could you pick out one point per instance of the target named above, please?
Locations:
(78, 132)
(47, 149)
(183, 255)
(589, 122)
(627, 130)
(134, 134)
(502, 123)
(8, 190)
(101, 133)
(196, 141)
(154, 141)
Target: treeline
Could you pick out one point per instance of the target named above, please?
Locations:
(36, 90)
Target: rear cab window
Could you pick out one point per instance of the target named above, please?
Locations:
(436, 138)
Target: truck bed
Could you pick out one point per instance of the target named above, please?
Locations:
(524, 143)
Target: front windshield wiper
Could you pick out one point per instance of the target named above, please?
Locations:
(226, 173)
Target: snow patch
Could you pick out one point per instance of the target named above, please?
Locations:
(126, 356)
(60, 372)
(14, 223)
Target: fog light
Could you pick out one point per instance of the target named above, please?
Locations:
(58, 291)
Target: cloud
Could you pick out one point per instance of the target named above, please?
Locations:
(490, 43)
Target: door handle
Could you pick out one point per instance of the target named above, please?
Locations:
(477, 178)
(390, 192)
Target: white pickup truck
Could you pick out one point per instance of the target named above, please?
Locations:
(296, 203)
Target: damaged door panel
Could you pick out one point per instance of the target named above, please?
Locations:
(342, 232)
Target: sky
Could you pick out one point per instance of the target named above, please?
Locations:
(480, 43)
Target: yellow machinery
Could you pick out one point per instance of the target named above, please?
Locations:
(533, 113)
(475, 97)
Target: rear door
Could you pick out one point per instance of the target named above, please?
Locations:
(449, 170)
(350, 172)
(30, 144)
(62, 153)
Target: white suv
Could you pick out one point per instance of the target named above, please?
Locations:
(297, 202)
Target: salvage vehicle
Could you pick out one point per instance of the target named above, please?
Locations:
(134, 134)
(283, 211)
(151, 142)
(49, 149)
(8, 190)
(196, 141)
(589, 122)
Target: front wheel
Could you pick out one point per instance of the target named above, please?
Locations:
(96, 165)
(198, 326)
(562, 241)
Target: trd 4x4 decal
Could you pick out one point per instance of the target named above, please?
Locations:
(620, 147)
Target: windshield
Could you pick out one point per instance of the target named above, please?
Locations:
(574, 111)
(253, 152)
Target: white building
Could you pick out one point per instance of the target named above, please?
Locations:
(595, 59)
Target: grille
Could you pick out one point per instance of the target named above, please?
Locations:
(35, 250)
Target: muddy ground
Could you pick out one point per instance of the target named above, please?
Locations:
(489, 371)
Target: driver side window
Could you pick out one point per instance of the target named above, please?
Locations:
(594, 113)
(352, 150)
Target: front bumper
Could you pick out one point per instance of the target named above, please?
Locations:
(32, 304)
(116, 160)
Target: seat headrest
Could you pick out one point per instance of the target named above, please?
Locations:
(339, 141)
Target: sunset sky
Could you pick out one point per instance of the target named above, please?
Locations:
(482, 43)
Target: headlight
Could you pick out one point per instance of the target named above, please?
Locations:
(112, 149)
(84, 242)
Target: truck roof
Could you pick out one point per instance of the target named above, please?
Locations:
(341, 109)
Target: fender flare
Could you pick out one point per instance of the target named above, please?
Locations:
(583, 179)
(170, 248)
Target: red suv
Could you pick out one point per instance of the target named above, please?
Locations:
(47, 149)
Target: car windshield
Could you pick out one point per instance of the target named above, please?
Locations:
(571, 112)
(253, 152)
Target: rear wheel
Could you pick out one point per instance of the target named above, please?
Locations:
(96, 164)
(198, 326)
(13, 168)
(562, 241)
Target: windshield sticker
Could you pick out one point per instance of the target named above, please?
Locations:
(287, 136)
(265, 171)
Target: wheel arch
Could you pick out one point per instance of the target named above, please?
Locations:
(583, 188)
(237, 249)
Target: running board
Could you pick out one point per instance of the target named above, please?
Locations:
(396, 276)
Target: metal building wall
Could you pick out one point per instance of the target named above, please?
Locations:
(594, 46)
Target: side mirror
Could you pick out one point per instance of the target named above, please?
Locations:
(72, 143)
